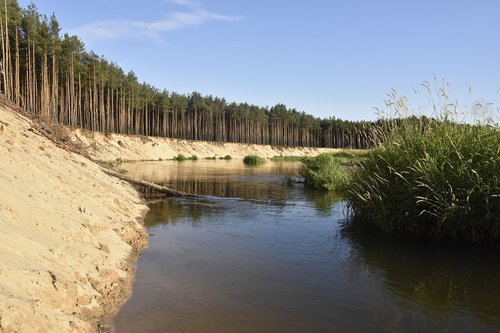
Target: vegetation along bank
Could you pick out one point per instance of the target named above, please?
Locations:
(438, 177)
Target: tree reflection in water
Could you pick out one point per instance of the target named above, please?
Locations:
(433, 275)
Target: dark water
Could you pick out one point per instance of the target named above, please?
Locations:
(276, 258)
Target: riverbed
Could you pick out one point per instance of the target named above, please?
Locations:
(256, 255)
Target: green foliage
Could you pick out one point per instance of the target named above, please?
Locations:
(194, 158)
(281, 158)
(227, 157)
(180, 158)
(438, 178)
(324, 172)
(350, 157)
(253, 160)
(351, 153)
(211, 157)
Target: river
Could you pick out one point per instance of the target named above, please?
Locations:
(256, 255)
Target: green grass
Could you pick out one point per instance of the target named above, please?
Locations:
(281, 158)
(253, 160)
(437, 178)
(324, 172)
(350, 157)
(181, 157)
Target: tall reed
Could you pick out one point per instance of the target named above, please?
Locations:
(433, 176)
(253, 160)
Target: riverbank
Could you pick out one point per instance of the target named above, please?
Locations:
(107, 147)
(69, 238)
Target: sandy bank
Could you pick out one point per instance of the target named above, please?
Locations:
(67, 232)
(128, 147)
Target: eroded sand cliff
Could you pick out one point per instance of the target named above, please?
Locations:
(68, 234)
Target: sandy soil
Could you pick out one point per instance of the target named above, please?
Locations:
(127, 147)
(69, 235)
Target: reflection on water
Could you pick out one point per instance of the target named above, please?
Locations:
(267, 257)
(440, 278)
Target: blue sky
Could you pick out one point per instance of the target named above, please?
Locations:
(325, 57)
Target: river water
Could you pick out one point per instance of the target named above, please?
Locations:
(256, 255)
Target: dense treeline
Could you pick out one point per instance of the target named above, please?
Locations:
(54, 77)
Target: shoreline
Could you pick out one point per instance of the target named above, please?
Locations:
(110, 147)
(105, 322)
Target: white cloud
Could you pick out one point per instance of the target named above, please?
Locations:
(188, 3)
(155, 29)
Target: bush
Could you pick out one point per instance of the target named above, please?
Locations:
(253, 160)
(324, 172)
(194, 158)
(180, 158)
(228, 157)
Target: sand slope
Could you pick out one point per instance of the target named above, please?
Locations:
(128, 147)
(67, 231)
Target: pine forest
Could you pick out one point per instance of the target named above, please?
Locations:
(55, 78)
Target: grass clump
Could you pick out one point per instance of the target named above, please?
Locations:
(180, 158)
(324, 172)
(351, 157)
(281, 158)
(211, 157)
(253, 160)
(434, 177)
(227, 157)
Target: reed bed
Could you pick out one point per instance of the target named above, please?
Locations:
(432, 176)
(324, 172)
(253, 160)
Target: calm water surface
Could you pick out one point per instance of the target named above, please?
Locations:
(274, 258)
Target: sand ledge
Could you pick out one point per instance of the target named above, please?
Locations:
(69, 235)
(107, 147)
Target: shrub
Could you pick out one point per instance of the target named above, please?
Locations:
(253, 160)
(324, 172)
(180, 158)
(194, 158)
(228, 157)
